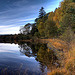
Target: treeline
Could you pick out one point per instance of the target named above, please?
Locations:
(16, 38)
(59, 23)
(6, 38)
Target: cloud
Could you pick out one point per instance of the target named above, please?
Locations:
(7, 21)
(13, 28)
(17, 13)
(9, 29)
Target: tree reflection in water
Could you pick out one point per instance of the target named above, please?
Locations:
(25, 49)
(41, 53)
(46, 57)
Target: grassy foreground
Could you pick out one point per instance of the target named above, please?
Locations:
(66, 54)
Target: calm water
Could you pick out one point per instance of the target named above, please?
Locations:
(24, 59)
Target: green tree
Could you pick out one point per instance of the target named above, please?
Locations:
(68, 20)
(50, 28)
(41, 28)
(42, 12)
(68, 36)
(34, 29)
(41, 25)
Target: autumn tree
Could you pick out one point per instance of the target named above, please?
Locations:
(50, 26)
(41, 25)
(68, 19)
(57, 17)
(51, 15)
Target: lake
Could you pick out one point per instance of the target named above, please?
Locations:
(25, 59)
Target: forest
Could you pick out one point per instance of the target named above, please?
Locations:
(54, 24)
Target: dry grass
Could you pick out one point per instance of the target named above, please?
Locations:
(70, 64)
(59, 44)
(68, 61)
(57, 72)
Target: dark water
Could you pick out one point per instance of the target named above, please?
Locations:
(25, 59)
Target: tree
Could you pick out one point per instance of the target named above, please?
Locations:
(68, 36)
(51, 15)
(41, 28)
(42, 12)
(37, 34)
(41, 25)
(34, 29)
(36, 20)
(57, 17)
(50, 28)
(68, 20)
(62, 10)
(65, 15)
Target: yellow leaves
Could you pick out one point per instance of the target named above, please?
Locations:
(50, 17)
(57, 17)
(66, 6)
(62, 16)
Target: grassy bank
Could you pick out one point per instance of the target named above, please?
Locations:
(66, 56)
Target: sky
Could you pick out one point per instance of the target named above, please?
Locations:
(17, 13)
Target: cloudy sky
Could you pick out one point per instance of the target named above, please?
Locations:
(16, 13)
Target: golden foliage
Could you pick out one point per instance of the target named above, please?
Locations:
(50, 17)
(57, 17)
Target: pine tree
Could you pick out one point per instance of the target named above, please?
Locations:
(42, 12)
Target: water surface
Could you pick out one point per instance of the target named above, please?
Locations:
(26, 59)
(18, 60)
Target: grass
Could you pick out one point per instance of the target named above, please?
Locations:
(57, 72)
(67, 58)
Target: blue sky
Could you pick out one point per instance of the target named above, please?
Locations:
(16, 13)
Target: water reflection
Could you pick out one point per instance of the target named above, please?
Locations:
(26, 59)
(25, 49)
(13, 63)
(41, 53)
(46, 56)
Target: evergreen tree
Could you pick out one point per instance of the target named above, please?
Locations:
(42, 12)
